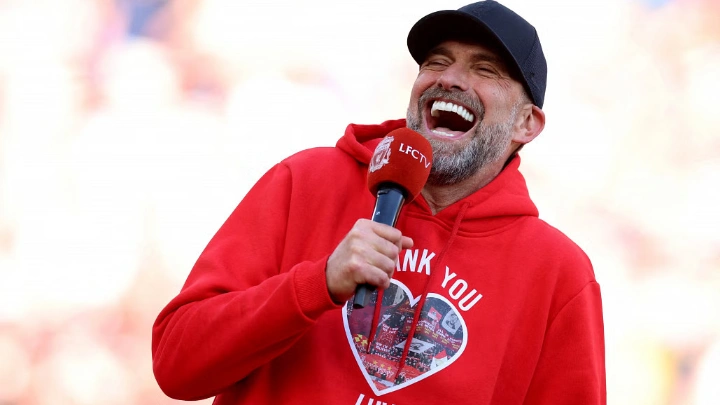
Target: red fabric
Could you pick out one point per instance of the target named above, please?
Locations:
(254, 323)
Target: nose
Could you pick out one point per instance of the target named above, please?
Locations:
(453, 78)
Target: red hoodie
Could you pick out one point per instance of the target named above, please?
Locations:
(502, 308)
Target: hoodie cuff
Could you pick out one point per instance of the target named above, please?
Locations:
(311, 289)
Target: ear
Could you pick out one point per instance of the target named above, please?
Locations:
(529, 123)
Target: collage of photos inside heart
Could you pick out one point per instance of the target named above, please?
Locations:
(437, 340)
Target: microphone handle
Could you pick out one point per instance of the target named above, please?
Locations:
(390, 199)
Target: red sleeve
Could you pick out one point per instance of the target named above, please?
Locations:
(571, 368)
(238, 309)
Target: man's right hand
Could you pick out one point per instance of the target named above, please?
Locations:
(367, 255)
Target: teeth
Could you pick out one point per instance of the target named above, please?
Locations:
(441, 133)
(446, 106)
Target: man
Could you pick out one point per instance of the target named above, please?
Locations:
(264, 316)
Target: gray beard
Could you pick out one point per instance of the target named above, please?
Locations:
(487, 145)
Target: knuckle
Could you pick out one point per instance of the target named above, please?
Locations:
(388, 266)
(355, 265)
(353, 234)
(356, 251)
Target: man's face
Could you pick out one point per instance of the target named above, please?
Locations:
(465, 103)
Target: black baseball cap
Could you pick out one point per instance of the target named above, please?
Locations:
(487, 22)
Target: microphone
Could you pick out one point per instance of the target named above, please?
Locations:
(398, 170)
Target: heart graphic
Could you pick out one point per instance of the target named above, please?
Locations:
(439, 339)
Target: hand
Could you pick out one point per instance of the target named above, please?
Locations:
(366, 255)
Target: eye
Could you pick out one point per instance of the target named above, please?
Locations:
(485, 68)
(436, 62)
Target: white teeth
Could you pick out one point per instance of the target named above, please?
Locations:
(441, 133)
(447, 106)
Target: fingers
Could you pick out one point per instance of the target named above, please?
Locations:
(367, 255)
(393, 236)
(406, 243)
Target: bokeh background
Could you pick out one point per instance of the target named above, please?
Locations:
(129, 129)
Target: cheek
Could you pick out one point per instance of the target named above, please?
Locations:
(415, 94)
(423, 82)
(496, 101)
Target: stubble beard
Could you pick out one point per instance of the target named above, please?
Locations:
(487, 144)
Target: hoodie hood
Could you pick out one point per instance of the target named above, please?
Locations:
(360, 141)
(495, 205)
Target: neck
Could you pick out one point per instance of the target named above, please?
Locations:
(440, 197)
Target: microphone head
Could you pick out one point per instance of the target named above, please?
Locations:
(403, 158)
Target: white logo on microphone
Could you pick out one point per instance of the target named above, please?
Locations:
(381, 156)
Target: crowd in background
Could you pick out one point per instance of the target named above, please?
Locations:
(129, 130)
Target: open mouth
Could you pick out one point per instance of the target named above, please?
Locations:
(449, 120)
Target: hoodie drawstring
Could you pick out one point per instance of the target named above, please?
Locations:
(421, 303)
(376, 316)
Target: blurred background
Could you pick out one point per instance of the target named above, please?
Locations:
(129, 130)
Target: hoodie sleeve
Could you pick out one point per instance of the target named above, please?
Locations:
(571, 368)
(237, 309)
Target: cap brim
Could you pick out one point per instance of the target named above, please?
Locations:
(445, 25)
